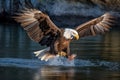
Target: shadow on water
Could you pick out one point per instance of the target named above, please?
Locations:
(97, 58)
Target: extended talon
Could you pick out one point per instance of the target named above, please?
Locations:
(71, 57)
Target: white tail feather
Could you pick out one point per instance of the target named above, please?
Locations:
(41, 52)
(47, 58)
(44, 54)
(43, 57)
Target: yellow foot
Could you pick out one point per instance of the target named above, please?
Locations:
(62, 53)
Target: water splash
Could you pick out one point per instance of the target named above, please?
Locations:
(58, 61)
(61, 61)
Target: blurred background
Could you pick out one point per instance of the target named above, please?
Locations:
(97, 57)
(61, 7)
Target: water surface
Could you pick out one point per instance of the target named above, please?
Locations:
(97, 58)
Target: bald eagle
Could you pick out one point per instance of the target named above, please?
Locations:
(42, 30)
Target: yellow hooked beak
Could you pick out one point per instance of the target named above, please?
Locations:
(76, 36)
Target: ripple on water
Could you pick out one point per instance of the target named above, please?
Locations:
(58, 61)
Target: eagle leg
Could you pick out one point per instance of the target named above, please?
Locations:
(67, 51)
(54, 48)
(69, 55)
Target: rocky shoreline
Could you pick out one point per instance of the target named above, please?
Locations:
(72, 9)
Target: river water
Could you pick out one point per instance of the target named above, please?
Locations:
(98, 58)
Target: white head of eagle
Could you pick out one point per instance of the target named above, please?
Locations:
(71, 34)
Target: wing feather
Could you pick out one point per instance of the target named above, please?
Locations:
(37, 25)
(96, 26)
(92, 30)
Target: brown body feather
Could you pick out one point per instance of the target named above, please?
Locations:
(62, 44)
(41, 29)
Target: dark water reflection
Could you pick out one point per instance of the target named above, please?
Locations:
(58, 73)
(14, 43)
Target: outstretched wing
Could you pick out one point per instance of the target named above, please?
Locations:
(96, 26)
(38, 26)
